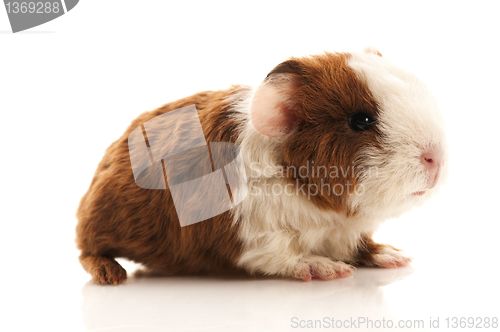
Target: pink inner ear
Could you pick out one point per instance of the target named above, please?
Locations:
(269, 111)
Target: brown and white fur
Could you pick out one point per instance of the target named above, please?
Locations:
(298, 115)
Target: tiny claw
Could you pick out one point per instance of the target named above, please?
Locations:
(306, 276)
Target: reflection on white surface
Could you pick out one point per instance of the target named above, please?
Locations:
(236, 303)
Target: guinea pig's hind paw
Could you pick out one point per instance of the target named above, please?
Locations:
(110, 273)
(322, 268)
(104, 271)
(390, 258)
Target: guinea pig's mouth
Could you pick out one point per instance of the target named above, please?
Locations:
(431, 183)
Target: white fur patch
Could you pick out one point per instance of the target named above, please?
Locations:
(410, 121)
(389, 258)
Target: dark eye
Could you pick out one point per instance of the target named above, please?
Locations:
(360, 121)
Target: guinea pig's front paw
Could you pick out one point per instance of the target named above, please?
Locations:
(389, 257)
(321, 268)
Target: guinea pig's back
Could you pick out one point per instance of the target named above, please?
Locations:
(117, 218)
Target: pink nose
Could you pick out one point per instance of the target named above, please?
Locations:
(432, 159)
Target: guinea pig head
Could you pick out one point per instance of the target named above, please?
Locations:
(362, 135)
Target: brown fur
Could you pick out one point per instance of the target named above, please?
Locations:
(116, 218)
(325, 92)
(367, 249)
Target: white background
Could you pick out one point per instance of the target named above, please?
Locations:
(70, 87)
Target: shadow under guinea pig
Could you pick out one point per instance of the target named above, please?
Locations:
(236, 302)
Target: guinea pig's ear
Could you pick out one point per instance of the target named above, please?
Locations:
(272, 109)
(371, 49)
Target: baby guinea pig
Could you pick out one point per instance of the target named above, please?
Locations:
(332, 144)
